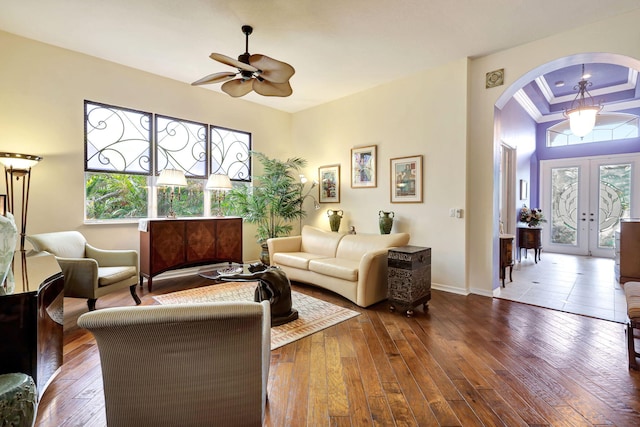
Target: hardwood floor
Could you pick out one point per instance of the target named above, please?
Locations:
(468, 361)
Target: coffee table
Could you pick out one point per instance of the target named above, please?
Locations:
(273, 286)
(217, 271)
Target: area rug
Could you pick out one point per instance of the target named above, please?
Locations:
(313, 314)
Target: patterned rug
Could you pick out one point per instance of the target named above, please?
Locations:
(313, 314)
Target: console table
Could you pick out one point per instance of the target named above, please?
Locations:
(170, 244)
(31, 320)
(529, 238)
(506, 256)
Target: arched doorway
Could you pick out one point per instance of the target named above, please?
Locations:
(502, 117)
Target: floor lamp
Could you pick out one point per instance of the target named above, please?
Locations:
(19, 166)
(171, 178)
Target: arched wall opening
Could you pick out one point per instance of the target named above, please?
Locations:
(508, 94)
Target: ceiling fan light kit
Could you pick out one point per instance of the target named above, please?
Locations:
(259, 73)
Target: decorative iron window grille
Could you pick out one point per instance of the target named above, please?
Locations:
(181, 144)
(230, 153)
(117, 140)
(120, 140)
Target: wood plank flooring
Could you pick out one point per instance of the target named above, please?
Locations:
(467, 361)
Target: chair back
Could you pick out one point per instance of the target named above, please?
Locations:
(64, 244)
(185, 364)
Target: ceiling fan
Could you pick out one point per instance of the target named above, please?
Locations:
(266, 76)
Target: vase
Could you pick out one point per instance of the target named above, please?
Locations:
(385, 221)
(264, 254)
(8, 239)
(334, 219)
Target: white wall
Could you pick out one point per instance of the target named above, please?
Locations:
(42, 90)
(421, 115)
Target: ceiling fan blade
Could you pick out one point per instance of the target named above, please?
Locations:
(272, 70)
(214, 78)
(238, 87)
(266, 88)
(233, 62)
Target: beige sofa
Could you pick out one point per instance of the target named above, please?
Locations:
(354, 266)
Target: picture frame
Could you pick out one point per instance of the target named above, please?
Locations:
(363, 167)
(406, 179)
(524, 189)
(329, 184)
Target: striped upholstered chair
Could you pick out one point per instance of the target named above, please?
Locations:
(183, 365)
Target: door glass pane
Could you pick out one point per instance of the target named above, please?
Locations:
(564, 200)
(613, 201)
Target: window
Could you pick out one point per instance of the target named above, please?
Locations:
(126, 149)
(609, 127)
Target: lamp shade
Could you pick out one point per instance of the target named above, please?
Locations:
(171, 178)
(582, 120)
(218, 181)
(19, 161)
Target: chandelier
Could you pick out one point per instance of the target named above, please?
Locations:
(583, 110)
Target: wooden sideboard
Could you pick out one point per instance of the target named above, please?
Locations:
(169, 244)
(627, 256)
(529, 238)
(31, 319)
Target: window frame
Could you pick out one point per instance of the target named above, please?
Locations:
(242, 157)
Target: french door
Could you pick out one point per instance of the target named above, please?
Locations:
(583, 200)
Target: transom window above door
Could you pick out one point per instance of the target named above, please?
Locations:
(609, 127)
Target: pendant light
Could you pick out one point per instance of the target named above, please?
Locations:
(583, 110)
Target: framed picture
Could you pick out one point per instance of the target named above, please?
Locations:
(524, 189)
(406, 179)
(329, 179)
(363, 167)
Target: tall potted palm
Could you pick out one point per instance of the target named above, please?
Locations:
(272, 202)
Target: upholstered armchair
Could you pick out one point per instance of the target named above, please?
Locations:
(185, 364)
(89, 272)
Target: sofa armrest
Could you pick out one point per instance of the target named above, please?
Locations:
(113, 258)
(372, 277)
(284, 244)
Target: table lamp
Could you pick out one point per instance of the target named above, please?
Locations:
(171, 178)
(219, 184)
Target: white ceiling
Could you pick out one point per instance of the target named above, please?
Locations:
(338, 47)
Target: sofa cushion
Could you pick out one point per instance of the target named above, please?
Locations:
(632, 293)
(294, 259)
(335, 267)
(353, 247)
(110, 275)
(320, 242)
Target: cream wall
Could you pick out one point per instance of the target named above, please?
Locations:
(445, 114)
(42, 90)
(421, 115)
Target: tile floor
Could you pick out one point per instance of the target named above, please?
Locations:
(574, 284)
